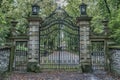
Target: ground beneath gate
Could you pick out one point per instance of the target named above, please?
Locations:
(61, 76)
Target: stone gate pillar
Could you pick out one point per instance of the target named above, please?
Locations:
(33, 43)
(84, 25)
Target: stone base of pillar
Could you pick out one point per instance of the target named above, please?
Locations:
(33, 67)
(86, 67)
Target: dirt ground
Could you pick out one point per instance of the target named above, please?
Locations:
(61, 76)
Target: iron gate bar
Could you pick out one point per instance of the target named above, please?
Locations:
(44, 27)
(98, 55)
(58, 29)
(49, 32)
(58, 21)
(59, 42)
(58, 48)
(20, 58)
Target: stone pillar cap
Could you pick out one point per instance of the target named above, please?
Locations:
(84, 18)
(32, 18)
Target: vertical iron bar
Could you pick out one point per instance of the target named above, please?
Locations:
(39, 47)
(59, 43)
(12, 56)
(105, 55)
(78, 47)
(79, 43)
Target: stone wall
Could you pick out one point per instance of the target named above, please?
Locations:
(4, 59)
(115, 60)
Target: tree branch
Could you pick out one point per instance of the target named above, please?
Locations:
(0, 2)
(118, 3)
(106, 4)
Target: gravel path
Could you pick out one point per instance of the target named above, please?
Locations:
(0, 77)
(59, 76)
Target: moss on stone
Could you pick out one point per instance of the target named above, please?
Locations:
(33, 67)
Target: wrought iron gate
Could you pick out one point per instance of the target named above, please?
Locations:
(59, 42)
(98, 55)
(20, 56)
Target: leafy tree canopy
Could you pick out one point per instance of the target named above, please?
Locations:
(21, 9)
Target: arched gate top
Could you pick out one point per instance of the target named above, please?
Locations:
(59, 16)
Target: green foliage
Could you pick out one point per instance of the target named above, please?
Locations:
(21, 9)
(96, 24)
(73, 8)
(114, 25)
